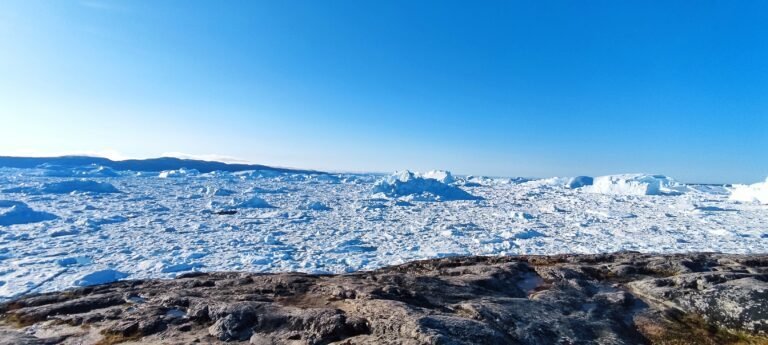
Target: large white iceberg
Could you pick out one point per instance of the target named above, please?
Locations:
(419, 188)
(756, 192)
(635, 184)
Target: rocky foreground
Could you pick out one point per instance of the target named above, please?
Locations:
(623, 298)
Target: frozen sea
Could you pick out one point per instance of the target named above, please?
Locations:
(63, 228)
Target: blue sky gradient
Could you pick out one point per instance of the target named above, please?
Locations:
(514, 88)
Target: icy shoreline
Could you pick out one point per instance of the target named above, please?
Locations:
(617, 298)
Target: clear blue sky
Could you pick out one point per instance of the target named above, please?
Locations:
(523, 88)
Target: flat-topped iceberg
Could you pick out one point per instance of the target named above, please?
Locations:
(85, 186)
(756, 192)
(635, 184)
(418, 188)
(440, 175)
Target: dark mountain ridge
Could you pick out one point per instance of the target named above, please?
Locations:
(151, 164)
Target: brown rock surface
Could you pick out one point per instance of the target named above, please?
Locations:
(622, 298)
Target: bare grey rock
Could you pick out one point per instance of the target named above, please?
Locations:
(731, 300)
(622, 298)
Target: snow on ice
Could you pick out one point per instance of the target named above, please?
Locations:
(88, 225)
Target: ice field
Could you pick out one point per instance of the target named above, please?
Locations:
(64, 227)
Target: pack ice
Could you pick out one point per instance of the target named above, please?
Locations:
(77, 226)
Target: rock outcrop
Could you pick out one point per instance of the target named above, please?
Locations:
(623, 298)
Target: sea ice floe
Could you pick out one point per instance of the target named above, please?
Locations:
(75, 260)
(211, 191)
(522, 215)
(100, 277)
(16, 212)
(252, 202)
(82, 186)
(181, 267)
(315, 205)
(71, 231)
